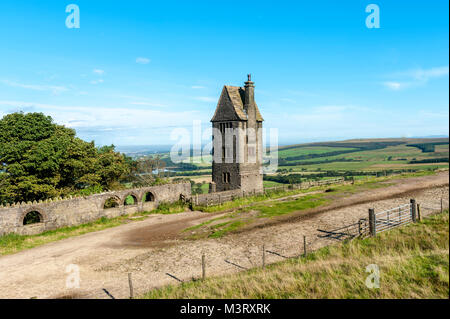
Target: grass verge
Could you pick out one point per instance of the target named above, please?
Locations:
(413, 262)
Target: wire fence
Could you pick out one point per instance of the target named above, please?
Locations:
(305, 185)
(219, 198)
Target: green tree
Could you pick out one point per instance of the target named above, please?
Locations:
(40, 159)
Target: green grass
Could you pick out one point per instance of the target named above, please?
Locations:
(205, 188)
(224, 228)
(281, 208)
(167, 208)
(271, 184)
(413, 261)
(243, 201)
(306, 150)
(392, 157)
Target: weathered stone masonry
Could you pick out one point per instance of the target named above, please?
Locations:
(76, 211)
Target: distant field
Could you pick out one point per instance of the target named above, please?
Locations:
(283, 153)
(391, 157)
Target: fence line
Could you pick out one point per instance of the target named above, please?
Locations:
(306, 185)
(226, 196)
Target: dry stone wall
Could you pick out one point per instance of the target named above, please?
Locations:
(75, 211)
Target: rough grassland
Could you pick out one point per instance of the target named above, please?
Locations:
(413, 262)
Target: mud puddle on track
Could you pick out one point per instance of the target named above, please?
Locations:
(160, 235)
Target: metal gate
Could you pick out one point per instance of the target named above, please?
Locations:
(391, 218)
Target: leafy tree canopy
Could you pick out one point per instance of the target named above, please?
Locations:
(40, 159)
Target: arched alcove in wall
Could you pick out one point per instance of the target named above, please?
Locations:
(32, 217)
(148, 197)
(111, 202)
(130, 200)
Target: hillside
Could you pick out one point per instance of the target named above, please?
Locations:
(356, 158)
(413, 262)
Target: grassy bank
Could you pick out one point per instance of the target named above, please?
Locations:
(413, 261)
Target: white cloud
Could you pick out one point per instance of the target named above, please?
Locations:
(395, 86)
(425, 75)
(98, 71)
(196, 87)
(142, 60)
(415, 77)
(36, 87)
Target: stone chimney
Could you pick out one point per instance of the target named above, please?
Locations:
(249, 101)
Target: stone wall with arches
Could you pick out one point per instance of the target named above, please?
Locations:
(33, 218)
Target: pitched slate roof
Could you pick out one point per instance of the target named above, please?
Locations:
(232, 99)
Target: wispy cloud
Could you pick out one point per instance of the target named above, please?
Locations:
(141, 60)
(98, 71)
(95, 82)
(415, 77)
(427, 74)
(36, 87)
(197, 87)
(96, 117)
(395, 86)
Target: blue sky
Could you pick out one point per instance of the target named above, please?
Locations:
(135, 70)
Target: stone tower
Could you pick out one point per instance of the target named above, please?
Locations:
(237, 140)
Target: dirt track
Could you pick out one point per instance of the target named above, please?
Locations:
(151, 248)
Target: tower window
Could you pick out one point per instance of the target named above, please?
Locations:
(226, 177)
(223, 126)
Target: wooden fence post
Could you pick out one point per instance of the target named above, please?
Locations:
(304, 246)
(203, 267)
(413, 209)
(130, 283)
(419, 215)
(372, 223)
(263, 256)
